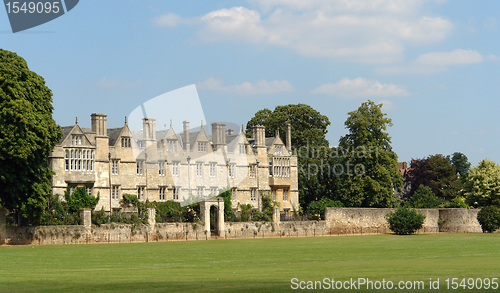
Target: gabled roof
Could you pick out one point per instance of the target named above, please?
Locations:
(114, 134)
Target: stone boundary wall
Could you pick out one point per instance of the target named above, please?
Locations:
(338, 221)
(372, 220)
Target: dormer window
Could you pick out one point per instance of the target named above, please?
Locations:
(170, 145)
(278, 149)
(202, 147)
(126, 142)
(243, 149)
(76, 140)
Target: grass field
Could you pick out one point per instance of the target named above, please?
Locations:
(251, 265)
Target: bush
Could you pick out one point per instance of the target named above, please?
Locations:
(318, 207)
(266, 214)
(489, 218)
(405, 221)
(100, 217)
(246, 212)
(457, 202)
(424, 198)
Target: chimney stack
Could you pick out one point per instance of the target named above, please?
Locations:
(218, 135)
(148, 128)
(230, 131)
(99, 126)
(185, 135)
(259, 135)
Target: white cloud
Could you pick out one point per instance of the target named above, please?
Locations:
(458, 56)
(435, 62)
(247, 88)
(366, 31)
(442, 87)
(114, 83)
(360, 87)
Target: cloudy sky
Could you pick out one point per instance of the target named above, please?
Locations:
(433, 64)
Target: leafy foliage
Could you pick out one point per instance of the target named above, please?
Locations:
(482, 185)
(172, 211)
(405, 221)
(79, 200)
(435, 172)
(28, 134)
(461, 163)
(489, 218)
(370, 165)
(268, 205)
(457, 202)
(57, 213)
(309, 128)
(318, 207)
(246, 212)
(228, 210)
(424, 198)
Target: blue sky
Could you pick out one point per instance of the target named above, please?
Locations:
(434, 64)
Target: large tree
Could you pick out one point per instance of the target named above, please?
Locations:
(308, 125)
(27, 136)
(437, 173)
(461, 163)
(370, 165)
(482, 186)
(309, 128)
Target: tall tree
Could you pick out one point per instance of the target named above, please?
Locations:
(27, 136)
(461, 163)
(370, 165)
(309, 128)
(437, 173)
(308, 125)
(482, 186)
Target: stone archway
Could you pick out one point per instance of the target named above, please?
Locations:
(205, 205)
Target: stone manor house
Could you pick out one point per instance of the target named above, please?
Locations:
(165, 165)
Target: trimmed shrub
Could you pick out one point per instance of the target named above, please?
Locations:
(424, 198)
(405, 221)
(489, 218)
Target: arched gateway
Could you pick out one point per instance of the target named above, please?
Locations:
(205, 206)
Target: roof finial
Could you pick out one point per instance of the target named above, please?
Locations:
(76, 120)
(170, 123)
(201, 124)
(242, 129)
(125, 120)
(277, 133)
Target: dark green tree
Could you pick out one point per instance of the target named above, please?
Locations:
(435, 172)
(308, 125)
(461, 163)
(424, 198)
(489, 218)
(309, 128)
(370, 165)
(28, 134)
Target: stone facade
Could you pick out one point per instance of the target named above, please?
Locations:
(165, 165)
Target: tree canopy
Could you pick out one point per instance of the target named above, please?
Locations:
(308, 125)
(482, 185)
(28, 134)
(436, 172)
(461, 163)
(370, 165)
(309, 128)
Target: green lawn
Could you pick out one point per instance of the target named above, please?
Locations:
(253, 265)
